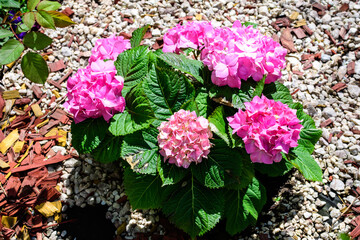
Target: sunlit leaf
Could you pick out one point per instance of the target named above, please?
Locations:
(10, 51)
(34, 67)
(60, 19)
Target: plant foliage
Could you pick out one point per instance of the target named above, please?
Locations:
(223, 186)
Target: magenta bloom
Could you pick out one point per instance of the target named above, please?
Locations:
(232, 54)
(184, 138)
(190, 35)
(237, 53)
(109, 48)
(95, 92)
(267, 128)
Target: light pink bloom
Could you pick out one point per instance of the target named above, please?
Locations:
(109, 48)
(95, 92)
(184, 138)
(267, 128)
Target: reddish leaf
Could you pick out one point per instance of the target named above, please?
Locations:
(287, 41)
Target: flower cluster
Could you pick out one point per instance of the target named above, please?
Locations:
(95, 91)
(233, 54)
(191, 35)
(109, 48)
(267, 128)
(184, 138)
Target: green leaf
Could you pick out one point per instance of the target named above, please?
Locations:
(246, 24)
(313, 135)
(87, 135)
(167, 91)
(143, 191)
(60, 20)
(9, 4)
(170, 173)
(109, 150)
(132, 65)
(259, 87)
(34, 67)
(307, 121)
(200, 104)
(194, 208)
(344, 236)
(245, 94)
(138, 35)
(182, 63)
(10, 51)
(278, 92)
(29, 19)
(45, 19)
(218, 124)
(22, 28)
(37, 40)
(141, 148)
(275, 169)
(242, 207)
(49, 6)
(138, 115)
(5, 33)
(306, 164)
(308, 145)
(31, 4)
(309, 132)
(224, 167)
(235, 140)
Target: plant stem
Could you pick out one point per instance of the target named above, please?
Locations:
(15, 34)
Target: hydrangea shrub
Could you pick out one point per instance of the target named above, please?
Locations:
(195, 123)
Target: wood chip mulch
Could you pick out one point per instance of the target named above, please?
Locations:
(28, 191)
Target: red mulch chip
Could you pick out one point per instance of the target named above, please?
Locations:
(326, 123)
(344, 7)
(68, 11)
(307, 30)
(339, 86)
(342, 33)
(299, 32)
(351, 68)
(332, 39)
(57, 66)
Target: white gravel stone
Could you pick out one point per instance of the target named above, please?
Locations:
(337, 185)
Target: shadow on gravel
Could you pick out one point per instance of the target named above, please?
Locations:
(88, 223)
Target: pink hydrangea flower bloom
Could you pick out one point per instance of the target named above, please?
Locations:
(184, 138)
(267, 128)
(109, 48)
(254, 54)
(95, 92)
(180, 37)
(233, 54)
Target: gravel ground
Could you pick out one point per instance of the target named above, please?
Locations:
(302, 209)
